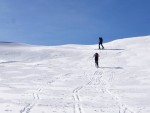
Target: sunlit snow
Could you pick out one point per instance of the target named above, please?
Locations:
(64, 79)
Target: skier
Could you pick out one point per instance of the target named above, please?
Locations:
(96, 55)
(101, 42)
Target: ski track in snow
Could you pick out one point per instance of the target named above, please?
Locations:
(78, 106)
(30, 106)
(99, 80)
(36, 96)
(122, 107)
(76, 96)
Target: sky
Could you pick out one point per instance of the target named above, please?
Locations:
(58, 22)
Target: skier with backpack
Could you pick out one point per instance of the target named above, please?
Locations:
(101, 42)
(96, 55)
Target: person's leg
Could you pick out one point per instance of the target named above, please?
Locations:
(96, 64)
(99, 46)
(102, 46)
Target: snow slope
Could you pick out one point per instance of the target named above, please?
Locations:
(63, 79)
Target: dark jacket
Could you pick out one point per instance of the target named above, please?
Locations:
(100, 40)
(96, 55)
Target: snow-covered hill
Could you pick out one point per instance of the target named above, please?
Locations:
(63, 79)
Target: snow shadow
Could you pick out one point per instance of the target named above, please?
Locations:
(113, 49)
(8, 62)
(112, 67)
(110, 49)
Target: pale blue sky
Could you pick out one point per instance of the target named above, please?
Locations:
(57, 22)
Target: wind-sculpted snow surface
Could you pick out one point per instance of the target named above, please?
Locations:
(64, 79)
